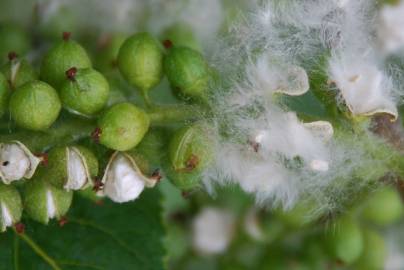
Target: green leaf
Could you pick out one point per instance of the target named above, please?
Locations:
(107, 236)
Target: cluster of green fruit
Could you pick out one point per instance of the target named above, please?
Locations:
(67, 80)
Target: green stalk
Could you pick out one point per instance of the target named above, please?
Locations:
(63, 132)
(171, 114)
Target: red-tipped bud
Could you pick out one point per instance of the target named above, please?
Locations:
(66, 36)
(71, 73)
(95, 135)
(167, 44)
(156, 175)
(19, 228)
(12, 56)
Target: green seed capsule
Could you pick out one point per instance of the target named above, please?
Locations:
(85, 91)
(18, 72)
(64, 55)
(189, 152)
(140, 61)
(4, 95)
(374, 254)
(123, 126)
(346, 240)
(10, 206)
(13, 38)
(72, 167)
(187, 72)
(43, 201)
(384, 207)
(182, 180)
(35, 105)
(191, 148)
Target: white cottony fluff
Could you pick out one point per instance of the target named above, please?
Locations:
(391, 30)
(267, 150)
(123, 182)
(212, 230)
(287, 151)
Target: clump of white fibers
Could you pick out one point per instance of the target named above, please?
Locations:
(266, 148)
(212, 230)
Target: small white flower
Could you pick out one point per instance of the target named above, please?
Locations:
(364, 88)
(16, 162)
(212, 230)
(391, 30)
(123, 180)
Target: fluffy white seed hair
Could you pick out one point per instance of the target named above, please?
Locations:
(266, 149)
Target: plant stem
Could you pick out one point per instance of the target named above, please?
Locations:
(38, 250)
(169, 114)
(63, 132)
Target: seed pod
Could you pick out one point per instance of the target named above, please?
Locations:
(183, 180)
(187, 72)
(64, 55)
(18, 72)
(190, 148)
(4, 95)
(43, 201)
(13, 38)
(72, 167)
(190, 151)
(374, 254)
(10, 206)
(140, 61)
(384, 207)
(123, 126)
(124, 177)
(346, 240)
(35, 105)
(16, 162)
(85, 91)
